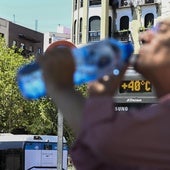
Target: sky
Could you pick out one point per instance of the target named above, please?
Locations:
(48, 14)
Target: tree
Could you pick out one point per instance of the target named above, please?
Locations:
(16, 113)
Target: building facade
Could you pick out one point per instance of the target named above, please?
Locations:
(62, 33)
(21, 37)
(93, 20)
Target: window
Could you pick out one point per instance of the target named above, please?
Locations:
(14, 43)
(10, 159)
(80, 30)
(149, 1)
(30, 48)
(39, 50)
(124, 2)
(1, 35)
(110, 26)
(94, 28)
(114, 3)
(95, 2)
(22, 46)
(123, 33)
(124, 23)
(149, 20)
(74, 31)
(75, 5)
(81, 3)
(50, 40)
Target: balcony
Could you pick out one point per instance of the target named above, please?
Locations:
(27, 38)
(94, 36)
(1, 35)
(81, 3)
(74, 38)
(114, 3)
(131, 3)
(94, 2)
(80, 37)
(142, 29)
(125, 3)
(148, 2)
(123, 35)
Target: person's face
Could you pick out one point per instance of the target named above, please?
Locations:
(154, 54)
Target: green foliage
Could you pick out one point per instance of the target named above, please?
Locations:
(124, 31)
(16, 112)
(142, 29)
(82, 89)
(150, 24)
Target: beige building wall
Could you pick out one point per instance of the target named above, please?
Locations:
(4, 29)
(85, 22)
(104, 19)
(136, 14)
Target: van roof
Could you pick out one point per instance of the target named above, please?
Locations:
(8, 137)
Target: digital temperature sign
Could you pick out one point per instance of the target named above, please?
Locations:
(135, 86)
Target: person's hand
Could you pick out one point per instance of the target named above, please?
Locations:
(107, 85)
(58, 67)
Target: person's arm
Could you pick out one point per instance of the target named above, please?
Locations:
(71, 104)
(58, 68)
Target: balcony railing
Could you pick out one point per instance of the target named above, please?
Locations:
(149, 1)
(1, 35)
(94, 2)
(94, 36)
(145, 2)
(129, 3)
(81, 3)
(125, 3)
(80, 37)
(142, 29)
(123, 35)
(74, 38)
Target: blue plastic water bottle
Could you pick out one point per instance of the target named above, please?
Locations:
(101, 58)
(92, 61)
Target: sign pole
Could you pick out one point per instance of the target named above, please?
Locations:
(60, 142)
